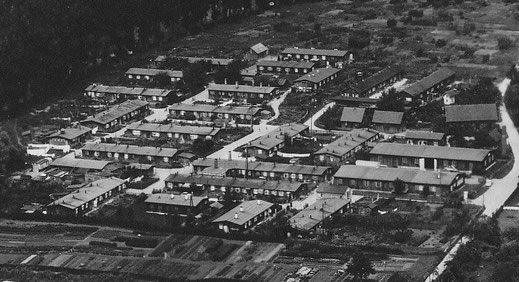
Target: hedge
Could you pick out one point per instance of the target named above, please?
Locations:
(102, 244)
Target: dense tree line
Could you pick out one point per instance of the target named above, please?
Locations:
(47, 45)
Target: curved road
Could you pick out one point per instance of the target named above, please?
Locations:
(501, 189)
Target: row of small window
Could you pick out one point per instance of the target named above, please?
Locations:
(237, 94)
(280, 69)
(306, 57)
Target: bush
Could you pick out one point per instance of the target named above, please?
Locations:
(391, 22)
(142, 242)
(102, 244)
(223, 251)
(213, 245)
(504, 43)
(440, 43)
(416, 13)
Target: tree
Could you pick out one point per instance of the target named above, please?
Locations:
(360, 266)
(483, 92)
(231, 73)
(162, 80)
(391, 22)
(202, 146)
(359, 39)
(440, 43)
(195, 76)
(504, 43)
(391, 101)
(399, 186)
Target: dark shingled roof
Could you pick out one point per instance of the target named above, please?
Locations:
(377, 79)
(154, 72)
(421, 151)
(70, 133)
(429, 81)
(286, 64)
(425, 135)
(387, 117)
(327, 188)
(352, 114)
(117, 111)
(468, 113)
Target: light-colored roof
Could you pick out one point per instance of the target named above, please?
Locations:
(100, 88)
(316, 213)
(286, 64)
(88, 192)
(429, 81)
(130, 149)
(79, 163)
(347, 142)
(241, 88)
(352, 114)
(175, 200)
(424, 135)
(285, 186)
(259, 48)
(276, 137)
(226, 165)
(318, 75)
(387, 117)
(411, 176)
(154, 72)
(170, 128)
(236, 110)
(438, 152)
(251, 209)
(317, 52)
(70, 133)
(117, 111)
(471, 113)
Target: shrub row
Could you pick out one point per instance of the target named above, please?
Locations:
(102, 244)
(223, 251)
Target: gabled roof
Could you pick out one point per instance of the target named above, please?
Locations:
(170, 128)
(241, 88)
(117, 111)
(174, 200)
(70, 133)
(317, 52)
(286, 64)
(236, 110)
(438, 152)
(318, 75)
(153, 72)
(352, 114)
(327, 188)
(79, 163)
(387, 117)
(429, 81)
(250, 209)
(366, 100)
(226, 165)
(377, 79)
(412, 176)
(130, 149)
(88, 192)
(259, 48)
(276, 137)
(424, 135)
(470, 113)
(316, 213)
(347, 142)
(99, 88)
(285, 186)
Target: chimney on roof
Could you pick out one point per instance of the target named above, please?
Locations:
(215, 163)
(259, 202)
(225, 81)
(241, 208)
(172, 196)
(236, 84)
(235, 215)
(230, 156)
